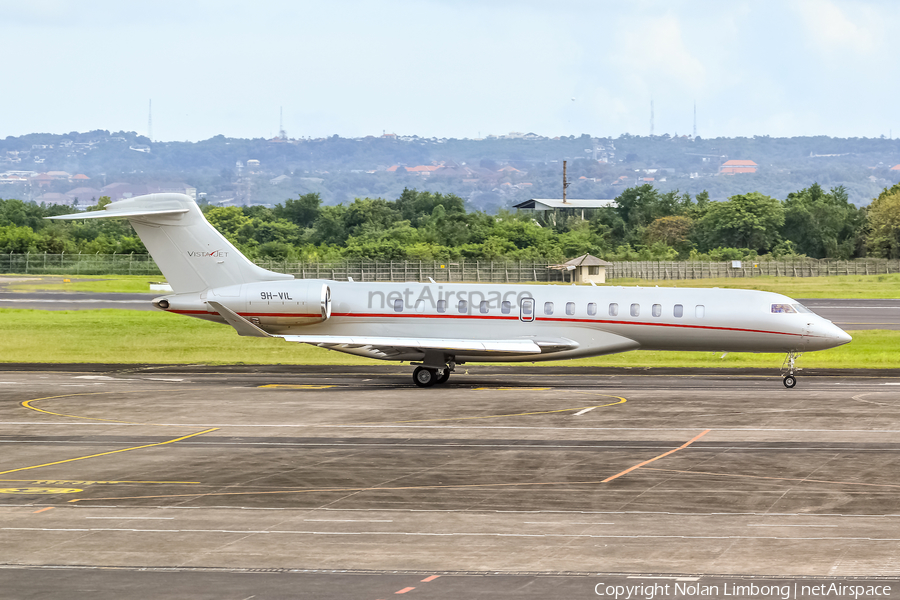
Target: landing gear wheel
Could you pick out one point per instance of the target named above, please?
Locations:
(444, 376)
(425, 377)
(790, 381)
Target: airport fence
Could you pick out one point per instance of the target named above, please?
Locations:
(483, 271)
(79, 264)
(810, 267)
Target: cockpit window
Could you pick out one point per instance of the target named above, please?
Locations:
(783, 308)
(801, 309)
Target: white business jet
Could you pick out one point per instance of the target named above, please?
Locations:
(440, 325)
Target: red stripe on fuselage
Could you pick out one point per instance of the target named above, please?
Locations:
(502, 318)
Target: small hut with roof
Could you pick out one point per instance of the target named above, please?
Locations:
(585, 269)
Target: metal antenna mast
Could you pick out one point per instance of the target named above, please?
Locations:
(695, 118)
(150, 121)
(281, 132)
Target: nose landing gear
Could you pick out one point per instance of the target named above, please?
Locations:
(790, 380)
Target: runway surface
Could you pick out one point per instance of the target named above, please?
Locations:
(857, 314)
(505, 482)
(847, 314)
(75, 300)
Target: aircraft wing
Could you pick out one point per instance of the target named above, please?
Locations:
(386, 343)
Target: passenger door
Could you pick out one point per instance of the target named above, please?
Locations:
(526, 310)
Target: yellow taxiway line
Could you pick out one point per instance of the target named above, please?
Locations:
(68, 460)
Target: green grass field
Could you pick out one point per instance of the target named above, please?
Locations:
(129, 284)
(841, 286)
(852, 286)
(123, 336)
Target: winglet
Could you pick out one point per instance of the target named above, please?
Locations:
(240, 324)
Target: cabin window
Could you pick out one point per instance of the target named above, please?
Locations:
(420, 306)
(505, 307)
(613, 310)
(635, 310)
(442, 306)
(592, 308)
(783, 308)
(678, 311)
(801, 309)
(593, 270)
(398, 305)
(548, 308)
(483, 307)
(656, 310)
(570, 308)
(699, 311)
(463, 306)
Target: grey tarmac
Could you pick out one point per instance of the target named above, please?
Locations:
(519, 482)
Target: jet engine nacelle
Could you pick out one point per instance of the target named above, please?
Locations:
(288, 303)
(275, 303)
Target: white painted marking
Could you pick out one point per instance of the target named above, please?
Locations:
(133, 518)
(103, 377)
(562, 523)
(586, 410)
(455, 534)
(162, 379)
(72, 301)
(777, 525)
(462, 427)
(350, 520)
(10, 382)
(663, 577)
(890, 384)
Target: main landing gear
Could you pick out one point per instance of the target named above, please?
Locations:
(790, 380)
(428, 376)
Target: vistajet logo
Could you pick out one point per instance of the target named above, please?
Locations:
(213, 254)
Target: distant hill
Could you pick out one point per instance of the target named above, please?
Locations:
(489, 173)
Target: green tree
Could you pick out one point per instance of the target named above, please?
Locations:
(231, 222)
(744, 221)
(674, 231)
(884, 224)
(302, 211)
(639, 206)
(823, 225)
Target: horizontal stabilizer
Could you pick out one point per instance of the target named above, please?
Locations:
(109, 214)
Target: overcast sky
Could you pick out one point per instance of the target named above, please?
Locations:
(451, 68)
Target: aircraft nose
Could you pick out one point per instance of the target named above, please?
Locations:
(843, 337)
(836, 335)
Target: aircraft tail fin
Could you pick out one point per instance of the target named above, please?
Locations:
(189, 251)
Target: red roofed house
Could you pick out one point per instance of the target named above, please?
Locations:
(423, 169)
(738, 166)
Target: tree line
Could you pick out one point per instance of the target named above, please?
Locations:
(646, 224)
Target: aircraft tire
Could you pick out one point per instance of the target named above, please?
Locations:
(443, 377)
(425, 377)
(790, 381)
